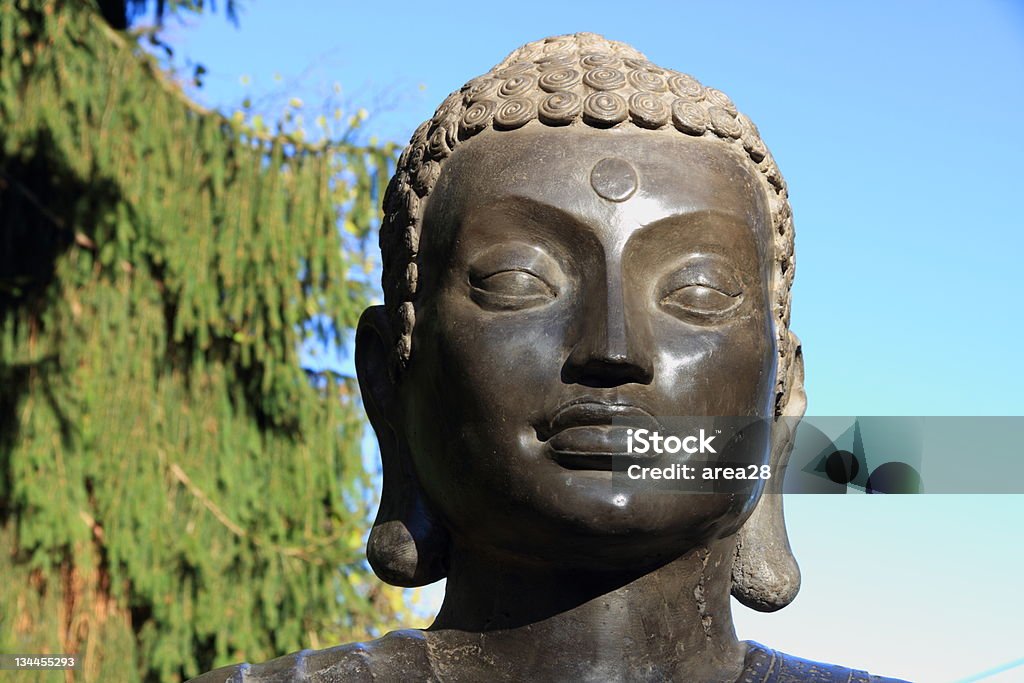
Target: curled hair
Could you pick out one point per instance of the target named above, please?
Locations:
(580, 79)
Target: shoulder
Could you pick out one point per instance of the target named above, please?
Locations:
(764, 665)
(400, 655)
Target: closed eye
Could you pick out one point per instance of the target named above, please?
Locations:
(701, 301)
(510, 290)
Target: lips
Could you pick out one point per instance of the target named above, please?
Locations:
(588, 433)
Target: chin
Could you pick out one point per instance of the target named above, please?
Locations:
(596, 526)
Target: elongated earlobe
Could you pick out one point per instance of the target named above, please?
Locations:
(765, 574)
(408, 546)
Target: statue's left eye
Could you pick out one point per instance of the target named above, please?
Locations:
(699, 300)
(510, 290)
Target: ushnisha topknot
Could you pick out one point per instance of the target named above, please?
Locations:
(581, 79)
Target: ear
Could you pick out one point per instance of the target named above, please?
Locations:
(765, 574)
(408, 545)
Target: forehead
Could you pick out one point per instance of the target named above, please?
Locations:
(629, 178)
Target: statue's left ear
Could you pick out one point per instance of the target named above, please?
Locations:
(408, 545)
(765, 574)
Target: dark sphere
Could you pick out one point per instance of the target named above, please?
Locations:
(894, 477)
(842, 467)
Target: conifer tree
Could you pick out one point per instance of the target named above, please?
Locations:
(176, 492)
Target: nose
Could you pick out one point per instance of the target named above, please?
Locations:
(613, 346)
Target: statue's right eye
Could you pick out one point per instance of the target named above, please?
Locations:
(510, 290)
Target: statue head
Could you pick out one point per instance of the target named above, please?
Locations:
(576, 236)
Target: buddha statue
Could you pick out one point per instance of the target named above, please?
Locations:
(576, 238)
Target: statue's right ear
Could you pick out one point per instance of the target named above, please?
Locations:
(408, 546)
(765, 574)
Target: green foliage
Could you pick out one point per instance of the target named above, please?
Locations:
(175, 492)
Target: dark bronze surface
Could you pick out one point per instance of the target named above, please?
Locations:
(577, 238)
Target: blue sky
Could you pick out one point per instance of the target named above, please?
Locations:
(898, 129)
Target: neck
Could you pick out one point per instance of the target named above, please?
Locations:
(670, 622)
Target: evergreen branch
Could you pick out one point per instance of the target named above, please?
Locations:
(218, 513)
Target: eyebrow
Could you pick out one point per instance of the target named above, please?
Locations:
(692, 216)
(536, 212)
(762, 238)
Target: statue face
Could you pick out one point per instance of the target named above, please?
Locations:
(571, 277)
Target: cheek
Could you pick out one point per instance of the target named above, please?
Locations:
(505, 364)
(727, 370)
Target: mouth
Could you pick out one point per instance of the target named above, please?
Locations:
(590, 434)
